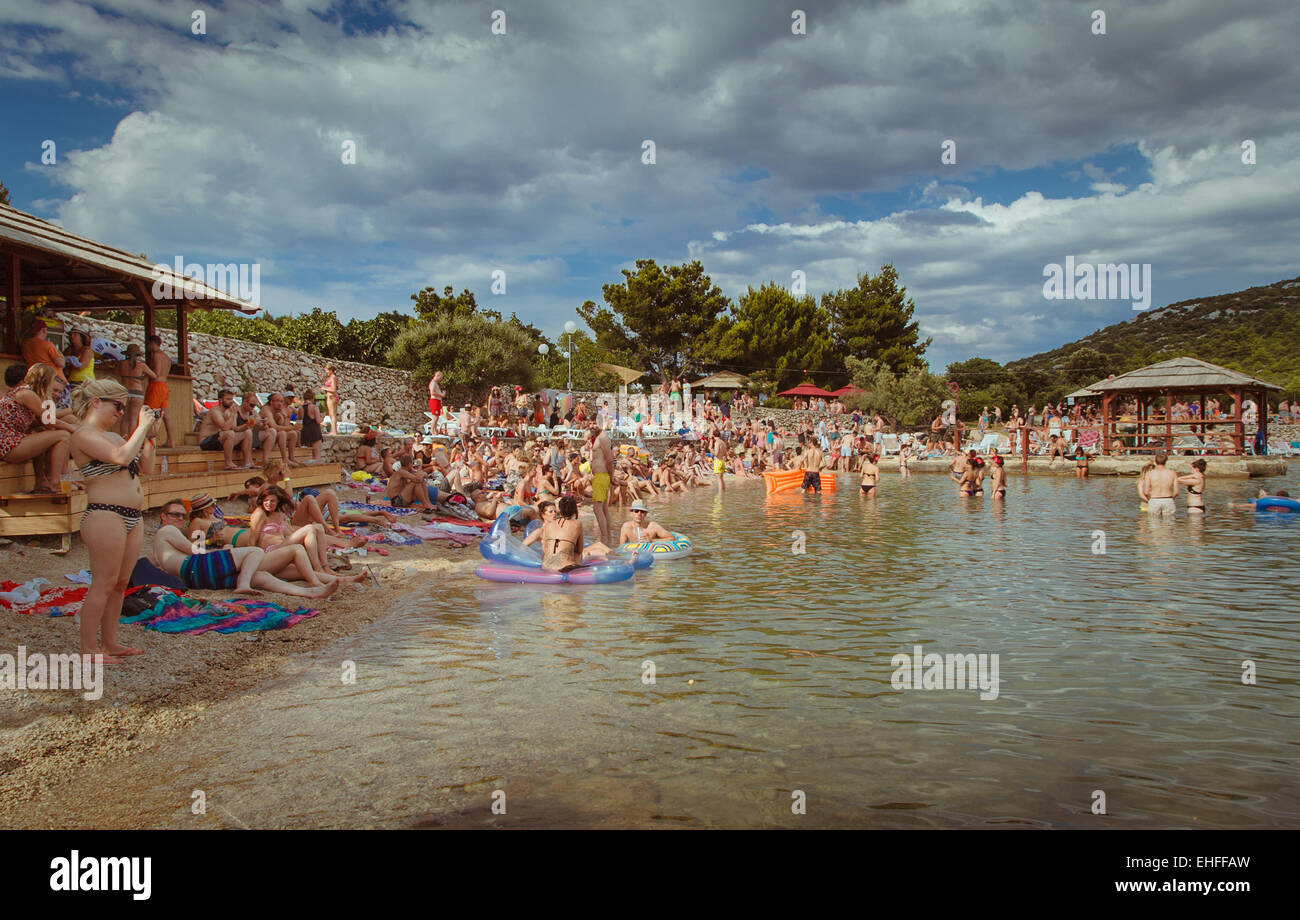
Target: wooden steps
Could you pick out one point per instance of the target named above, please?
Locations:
(27, 515)
(220, 483)
(37, 515)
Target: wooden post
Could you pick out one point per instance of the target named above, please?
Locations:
(1239, 426)
(15, 294)
(182, 339)
(146, 299)
(1105, 423)
(1169, 421)
(1263, 416)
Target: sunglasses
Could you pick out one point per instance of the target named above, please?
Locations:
(179, 514)
(119, 406)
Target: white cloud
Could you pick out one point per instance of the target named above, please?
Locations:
(524, 149)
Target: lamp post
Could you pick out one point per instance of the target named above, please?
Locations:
(569, 329)
(542, 350)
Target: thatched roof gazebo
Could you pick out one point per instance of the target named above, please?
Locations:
(722, 380)
(1177, 379)
(625, 374)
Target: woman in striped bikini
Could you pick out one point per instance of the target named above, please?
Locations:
(110, 527)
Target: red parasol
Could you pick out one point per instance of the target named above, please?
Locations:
(806, 389)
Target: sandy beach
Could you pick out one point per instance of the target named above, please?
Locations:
(48, 738)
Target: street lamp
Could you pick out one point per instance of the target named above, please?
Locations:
(569, 329)
(542, 350)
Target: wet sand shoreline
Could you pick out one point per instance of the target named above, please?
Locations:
(50, 738)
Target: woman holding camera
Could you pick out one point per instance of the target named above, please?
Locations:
(110, 528)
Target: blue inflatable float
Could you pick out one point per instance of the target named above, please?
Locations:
(508, 560)
(1276, 503)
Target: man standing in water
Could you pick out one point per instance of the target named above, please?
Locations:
(1158, 488)
(602, 462)
(812, 477)
(718, 447)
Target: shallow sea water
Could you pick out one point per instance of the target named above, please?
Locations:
(1119, 672)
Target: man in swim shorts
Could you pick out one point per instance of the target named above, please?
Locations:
(234, 570)
(156, 396)
(602, 462)
(812, 477)
(1158, 488)
(219, 430)
(435, 397)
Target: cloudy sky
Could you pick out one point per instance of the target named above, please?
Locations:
(774, 152)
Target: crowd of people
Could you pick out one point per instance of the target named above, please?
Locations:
(65, 410)
(93, 423)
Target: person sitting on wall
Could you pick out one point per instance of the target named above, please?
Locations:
(219, 429)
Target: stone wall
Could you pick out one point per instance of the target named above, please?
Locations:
(216, 362)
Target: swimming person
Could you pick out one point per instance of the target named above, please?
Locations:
(1141, 483)
(1195, 482)
(1158, 487)
(641, 529)
(561, 539)
(602, 465)
(812, 477)
(998, 480)
(957, 469)
(870, 473)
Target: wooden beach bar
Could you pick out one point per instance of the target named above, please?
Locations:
(1153, 390)
(46, 271)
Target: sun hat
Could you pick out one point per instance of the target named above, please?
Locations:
(638, 505)
(201, 501)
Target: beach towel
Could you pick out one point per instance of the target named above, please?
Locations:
(38, 598)
(361, 506)
(396, 539)
(436, 532)
(173, 613)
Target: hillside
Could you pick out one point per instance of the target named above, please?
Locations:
(1256, 331)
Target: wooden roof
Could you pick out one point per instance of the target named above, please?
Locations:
(625, 374)
(1180, 374)
(722, 380)
(77, 273)
(1088, 392)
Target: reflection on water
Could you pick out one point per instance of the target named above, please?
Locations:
(1119, 671)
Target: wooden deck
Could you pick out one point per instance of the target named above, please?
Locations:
(189, 472)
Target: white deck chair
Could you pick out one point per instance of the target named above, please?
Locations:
(889, 444)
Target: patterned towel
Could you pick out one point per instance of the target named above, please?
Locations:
(173, 613)
(361, 506)
(52, 602)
